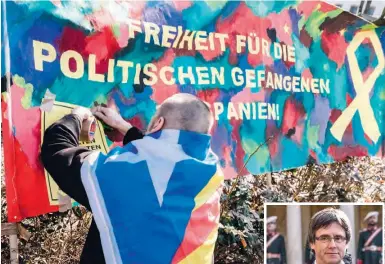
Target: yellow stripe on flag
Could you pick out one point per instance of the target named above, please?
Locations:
(204, 253)
(207, 192)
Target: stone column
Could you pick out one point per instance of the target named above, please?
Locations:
(294, 249)
(349, 210)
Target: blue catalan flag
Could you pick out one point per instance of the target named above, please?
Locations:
(156, 200)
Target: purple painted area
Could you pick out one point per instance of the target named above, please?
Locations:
(321, 106)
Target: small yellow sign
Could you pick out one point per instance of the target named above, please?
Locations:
(99, 143)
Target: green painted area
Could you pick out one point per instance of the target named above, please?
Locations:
(27, 97)
(215, 5)
(312, 136)
(316, 19)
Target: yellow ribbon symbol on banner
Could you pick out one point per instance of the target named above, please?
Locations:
(361, 102)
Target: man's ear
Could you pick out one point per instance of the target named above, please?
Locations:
(158, 125)
(312, 246)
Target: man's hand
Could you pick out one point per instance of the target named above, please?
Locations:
(82, 113)
(111, 118)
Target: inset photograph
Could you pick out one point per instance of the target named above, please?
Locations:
(320, 233)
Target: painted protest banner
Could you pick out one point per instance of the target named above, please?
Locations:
(304, 73)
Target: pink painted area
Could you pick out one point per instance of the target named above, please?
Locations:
(116, 144)
(279, 21)
(286, 62)
(367, 41)
(27, 129)
(342, 152)
(367, 73)
(298, 136)
(228, 169)
(105, 17)
(181, 5)
(313, 155)
(57, 3)
(307, 7)
(380, 153)
(325, 7)
(334, 115)
(72, 39)
(8, 140)
(24, 175)
(307, 74)
(137, 121)
(104, 45)
(100, 19)
(161, 90)
(244, 22)
(123, 37)
(255, 60)
(209, 55)
(186, 52)
(348, 136)
(246, 96)
(134, 11)
(209, 96)
(274, 146)
(239, 152)
(293, 112)
(334, 46)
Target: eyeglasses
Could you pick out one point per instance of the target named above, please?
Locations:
(327, 239)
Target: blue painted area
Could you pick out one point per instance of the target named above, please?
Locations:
(363, 52)
(163, 13)
(263, 8)
(339, 86)
(295, 18)
(25, 27)
(199, 15)
(382, 38)
(44, 21)
(198, 61)
(229, 8)
(302, 55)
(298, 153)
(279, 98)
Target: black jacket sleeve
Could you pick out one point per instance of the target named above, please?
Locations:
(361, 242)
(283, 250)
(62, 157)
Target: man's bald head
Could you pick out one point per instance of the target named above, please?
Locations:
(183, 112)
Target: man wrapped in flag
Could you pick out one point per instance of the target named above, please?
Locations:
(154, 200)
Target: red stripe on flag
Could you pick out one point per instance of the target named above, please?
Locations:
(202, 222)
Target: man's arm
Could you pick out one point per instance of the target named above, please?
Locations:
(360, 254)
(62, 157)
(283, 250)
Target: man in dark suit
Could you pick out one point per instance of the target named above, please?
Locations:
(329, 235)
(370, 241)
(275, 247)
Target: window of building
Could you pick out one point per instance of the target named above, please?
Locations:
(370, 11)
(353, 9)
